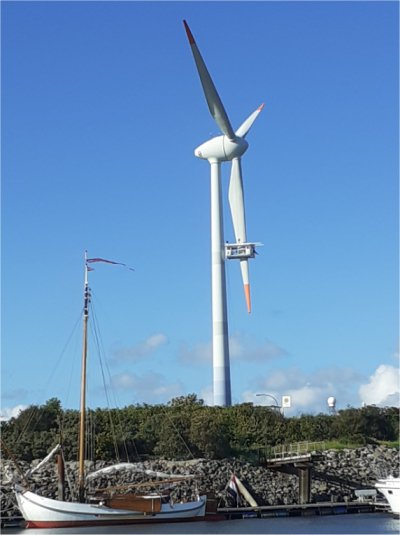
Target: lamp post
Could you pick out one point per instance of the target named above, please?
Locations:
(276, 406)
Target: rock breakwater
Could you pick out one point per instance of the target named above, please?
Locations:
(334, 477)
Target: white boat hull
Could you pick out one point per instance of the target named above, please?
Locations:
(40, 512)
(390, 488)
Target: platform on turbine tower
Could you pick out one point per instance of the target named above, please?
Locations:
(240, 250)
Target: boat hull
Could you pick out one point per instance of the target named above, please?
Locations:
(41, 512)
(390, 488)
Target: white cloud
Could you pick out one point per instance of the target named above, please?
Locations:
(207, 395)
(6, 413)
(143, 349)
(383, 387)
(309, 391)
(240, 348)
(305, 399)
(152, 387)
(198, 354)
(308, 397)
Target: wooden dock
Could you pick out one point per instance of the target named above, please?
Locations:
(307, 509)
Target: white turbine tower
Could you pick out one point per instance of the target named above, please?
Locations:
(228, 147)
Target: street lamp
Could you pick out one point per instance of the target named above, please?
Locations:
(276, 406)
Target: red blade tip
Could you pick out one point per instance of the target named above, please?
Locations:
(189, 33)
(247, 295)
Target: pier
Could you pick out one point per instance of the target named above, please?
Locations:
(309, 509)
(294, 459)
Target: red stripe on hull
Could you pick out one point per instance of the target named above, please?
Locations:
(150, 520)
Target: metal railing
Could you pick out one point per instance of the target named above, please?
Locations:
(283, 451)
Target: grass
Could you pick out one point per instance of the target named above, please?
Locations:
(348, 444)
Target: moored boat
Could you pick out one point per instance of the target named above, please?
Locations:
(390, 488)
(41, 512)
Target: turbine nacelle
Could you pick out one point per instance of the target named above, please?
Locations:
(222, 149)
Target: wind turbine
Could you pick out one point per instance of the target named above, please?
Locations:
(230, 146)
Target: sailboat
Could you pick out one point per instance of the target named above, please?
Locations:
(41, 512)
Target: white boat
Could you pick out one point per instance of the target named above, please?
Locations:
(390, 488)
(42, 512)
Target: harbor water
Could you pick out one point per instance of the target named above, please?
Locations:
(364, 523)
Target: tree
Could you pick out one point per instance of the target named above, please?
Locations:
(189, 400)
(174, 438)
(186, 428)
(210, 434)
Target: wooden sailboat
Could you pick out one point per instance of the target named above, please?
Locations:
(42, 512)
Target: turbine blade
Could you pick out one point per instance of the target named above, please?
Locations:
(244, 268)
(215, 105)
(236, 202)
(248, 123)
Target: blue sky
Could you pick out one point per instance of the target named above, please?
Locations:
(101, 111)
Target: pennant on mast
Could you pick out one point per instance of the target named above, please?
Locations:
(93, 260)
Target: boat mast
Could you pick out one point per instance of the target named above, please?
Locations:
(86, 298)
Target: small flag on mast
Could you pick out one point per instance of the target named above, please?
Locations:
(92, 260)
